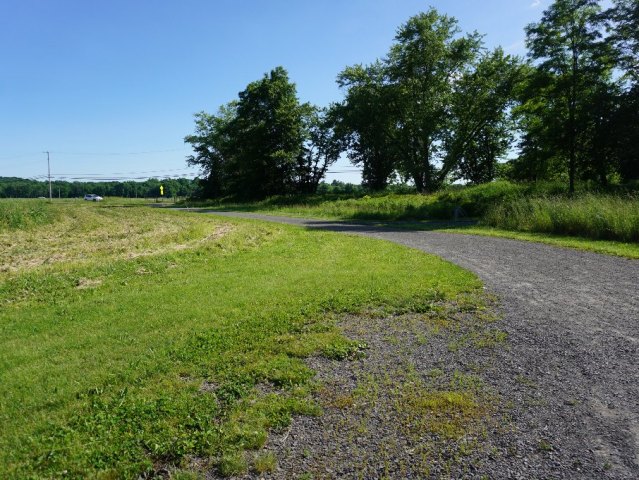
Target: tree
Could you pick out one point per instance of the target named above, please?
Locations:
(267, 134)
(426, 60)
(433, 107)
(367, 122)
(566, 45)
(623, 25)
(264, 143)
(322, 148)
(480, 126)
(212, 144)
(539, 128)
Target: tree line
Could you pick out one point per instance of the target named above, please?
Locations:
(11, 187)
(440, 107)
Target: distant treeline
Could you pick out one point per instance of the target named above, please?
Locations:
(440, 107)
(11, 187)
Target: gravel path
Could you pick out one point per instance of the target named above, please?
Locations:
(572, 320)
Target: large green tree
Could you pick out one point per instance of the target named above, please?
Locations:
(427, 59)
(566, 45)
(264, 143)
(366, 119)
(267, 134)
(480, 127)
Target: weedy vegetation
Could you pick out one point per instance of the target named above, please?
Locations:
(25, 214)
(135, 340)
(600, 217)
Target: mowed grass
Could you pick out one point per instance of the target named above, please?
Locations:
(72, 232)
(137, 339)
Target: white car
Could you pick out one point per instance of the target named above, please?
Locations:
(92, 197)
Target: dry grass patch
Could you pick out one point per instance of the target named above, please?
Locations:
(86, 233)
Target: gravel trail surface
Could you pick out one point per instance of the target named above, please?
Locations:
(571, 368)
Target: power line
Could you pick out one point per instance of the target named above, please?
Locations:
(106, 154)
(25, 155)
(130, 173)
(114, 154)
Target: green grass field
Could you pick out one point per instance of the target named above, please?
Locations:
(134, 338)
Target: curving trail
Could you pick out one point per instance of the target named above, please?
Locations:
(573, 323)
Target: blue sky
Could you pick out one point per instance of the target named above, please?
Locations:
(110, 87)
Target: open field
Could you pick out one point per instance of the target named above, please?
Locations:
(134, 340)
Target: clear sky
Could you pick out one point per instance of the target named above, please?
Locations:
(110, 87)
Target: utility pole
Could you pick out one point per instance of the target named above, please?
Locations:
(49, 172)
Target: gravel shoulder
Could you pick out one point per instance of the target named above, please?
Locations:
(569, 373)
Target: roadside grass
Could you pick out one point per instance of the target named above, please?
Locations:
(154, 339)
(25, 214)
(469, 201)
(382, 206)
(541, 212)
(607, 247)
(598, 217)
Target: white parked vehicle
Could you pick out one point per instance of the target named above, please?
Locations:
(92, 197)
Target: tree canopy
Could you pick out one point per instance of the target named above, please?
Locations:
(264, 143)
(440, 107)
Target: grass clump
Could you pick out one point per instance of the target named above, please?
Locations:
(233, 464)
(265, 462)
(445, 413)
(26, 214)
(599, 217)
(193, 349)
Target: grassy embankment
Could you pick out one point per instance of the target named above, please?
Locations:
(600, 222)
(135, 339)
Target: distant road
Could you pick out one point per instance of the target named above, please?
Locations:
(573, 323)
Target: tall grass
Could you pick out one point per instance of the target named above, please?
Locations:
(595, 216)
(23, 214)
(474, 201)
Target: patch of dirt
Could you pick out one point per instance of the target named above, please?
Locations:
(416, 405)
(86, 283)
